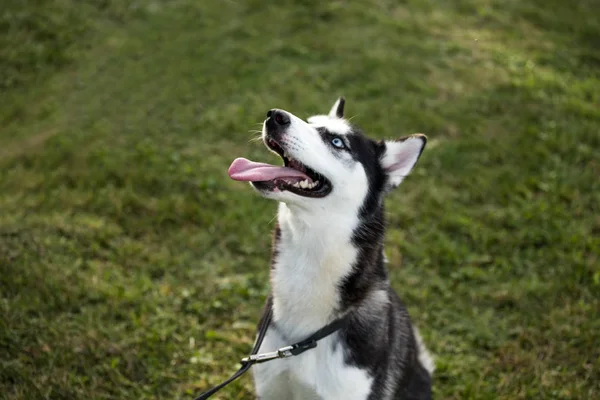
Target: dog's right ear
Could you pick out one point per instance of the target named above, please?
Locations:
(337, 111)
(400, 156)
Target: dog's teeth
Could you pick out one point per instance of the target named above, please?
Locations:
(305, 184)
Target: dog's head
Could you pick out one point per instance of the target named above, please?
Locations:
(328, 163)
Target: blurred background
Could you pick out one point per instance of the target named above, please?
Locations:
(131, 267)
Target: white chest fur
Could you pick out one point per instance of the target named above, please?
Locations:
(308, 270)
(320, 373)
(313, 256)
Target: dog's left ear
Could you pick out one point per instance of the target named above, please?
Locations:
(337, 111)
(400, 156)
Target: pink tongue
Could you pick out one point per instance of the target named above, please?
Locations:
(246, 170)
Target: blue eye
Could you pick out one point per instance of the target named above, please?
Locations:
(337, 142)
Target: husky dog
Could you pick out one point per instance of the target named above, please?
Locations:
(328, 262)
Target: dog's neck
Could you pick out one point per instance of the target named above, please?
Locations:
(315, 258)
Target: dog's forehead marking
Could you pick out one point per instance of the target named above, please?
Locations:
(334, 125)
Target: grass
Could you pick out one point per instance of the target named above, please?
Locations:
(133, 268)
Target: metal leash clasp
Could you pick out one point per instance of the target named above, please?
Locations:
(258, 358)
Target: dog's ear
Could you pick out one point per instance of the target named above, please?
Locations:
(400, 156)
(337, 111)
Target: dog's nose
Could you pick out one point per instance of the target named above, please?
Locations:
(280, 117)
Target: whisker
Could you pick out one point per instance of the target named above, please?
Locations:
(255, 139)
(257, 135)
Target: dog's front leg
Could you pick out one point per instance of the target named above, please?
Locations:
(271, 379)
(271, 383)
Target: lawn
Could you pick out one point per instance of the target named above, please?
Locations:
(131, 267)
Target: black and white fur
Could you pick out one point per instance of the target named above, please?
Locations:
(328, 261)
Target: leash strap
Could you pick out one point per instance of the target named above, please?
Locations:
(284, 352)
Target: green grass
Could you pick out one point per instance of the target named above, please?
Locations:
(133, 268)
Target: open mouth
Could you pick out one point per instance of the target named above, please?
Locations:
(294, 176)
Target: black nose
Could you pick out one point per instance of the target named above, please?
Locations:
(280, 117)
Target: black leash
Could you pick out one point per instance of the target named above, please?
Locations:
(284, 352)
